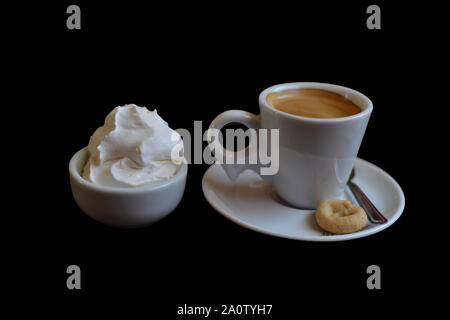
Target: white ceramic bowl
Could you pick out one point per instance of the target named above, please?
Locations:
(125, 207)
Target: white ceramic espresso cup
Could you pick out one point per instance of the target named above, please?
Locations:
(316, 155)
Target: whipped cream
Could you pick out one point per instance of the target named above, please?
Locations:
(133, 148)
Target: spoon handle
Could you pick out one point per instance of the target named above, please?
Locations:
(374, 215)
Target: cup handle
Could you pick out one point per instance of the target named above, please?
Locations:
(235, 162)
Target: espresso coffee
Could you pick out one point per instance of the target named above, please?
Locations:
(312, 103)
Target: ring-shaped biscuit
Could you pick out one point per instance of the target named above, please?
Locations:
(340, 216)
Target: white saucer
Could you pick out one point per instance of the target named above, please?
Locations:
(251, 202)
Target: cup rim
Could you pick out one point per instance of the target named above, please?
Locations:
(179, 175)
(367, 110)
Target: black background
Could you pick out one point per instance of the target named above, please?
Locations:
(192, 61)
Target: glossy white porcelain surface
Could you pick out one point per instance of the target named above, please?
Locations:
(315, 155)
(253, 203)
(121, 206)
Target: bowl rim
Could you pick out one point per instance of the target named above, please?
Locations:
(76, 176)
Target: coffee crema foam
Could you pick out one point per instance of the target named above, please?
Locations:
(312, 103)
